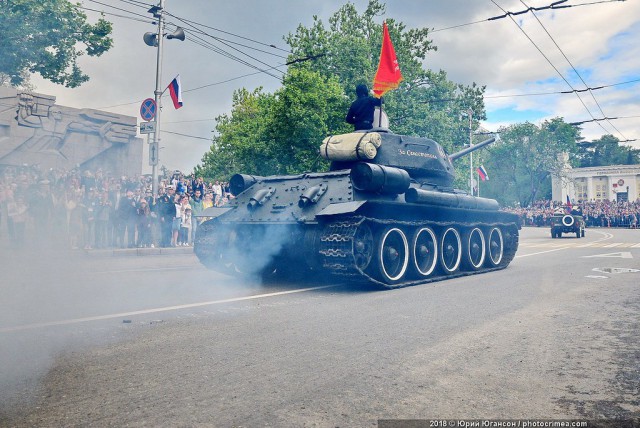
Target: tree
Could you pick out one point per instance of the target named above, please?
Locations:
(276, 134)
(521, 164)
(425, 104)
(42, 36)
(315, 96)
(606, 151)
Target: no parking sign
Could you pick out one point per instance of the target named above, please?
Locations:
(148, 109)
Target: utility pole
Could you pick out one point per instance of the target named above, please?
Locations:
(158, 12)
(156, 40)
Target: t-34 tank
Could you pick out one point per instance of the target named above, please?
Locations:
(387, 212)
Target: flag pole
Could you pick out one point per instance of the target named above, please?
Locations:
(380, 115)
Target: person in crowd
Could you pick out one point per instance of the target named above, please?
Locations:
(198, 184)
(103, 213)
(41, 203)
(178, 201)
(166, 212)
(197, 206)
(128, 213)
(17, 212)
(89, 219)
(144, 224)
(75, 210)
(217, 193)
(360, 114)
(185, 226)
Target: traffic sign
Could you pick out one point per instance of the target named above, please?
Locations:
(147, 127)
(153, 154)
(148, 109)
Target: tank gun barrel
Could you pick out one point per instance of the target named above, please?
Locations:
(470, 149)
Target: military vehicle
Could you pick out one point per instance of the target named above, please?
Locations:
(386, 212)
(567, 223)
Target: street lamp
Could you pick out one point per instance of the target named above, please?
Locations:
(155, 39)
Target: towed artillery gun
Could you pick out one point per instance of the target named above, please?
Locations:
(386, 212)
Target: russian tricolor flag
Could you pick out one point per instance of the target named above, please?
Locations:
(175, 90)
(482, 173)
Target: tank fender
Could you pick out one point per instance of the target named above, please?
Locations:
(341, 208)
(455, 200)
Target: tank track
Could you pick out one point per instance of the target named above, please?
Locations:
(336, 248)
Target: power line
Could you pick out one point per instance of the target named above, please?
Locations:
(574, 69)
(550, 63)
(555, 5)
(186, 135)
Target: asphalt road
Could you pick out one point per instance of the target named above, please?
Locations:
(161, 341)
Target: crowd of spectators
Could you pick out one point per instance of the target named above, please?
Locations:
(595, 213)
(96, 209)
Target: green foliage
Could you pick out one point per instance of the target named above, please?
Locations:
(521, 164)
(42, 36)
(277, 134)
(287, 128)
(425, 104)
(606, 151)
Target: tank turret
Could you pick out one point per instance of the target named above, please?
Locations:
(387, 212)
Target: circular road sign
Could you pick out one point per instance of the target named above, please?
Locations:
(148, 109)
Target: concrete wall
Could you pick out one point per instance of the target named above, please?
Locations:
(36, 131)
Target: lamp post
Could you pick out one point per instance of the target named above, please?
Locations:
(155, 39)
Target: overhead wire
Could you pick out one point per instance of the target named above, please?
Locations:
(551, 64)
(208, 45)
(575, 71)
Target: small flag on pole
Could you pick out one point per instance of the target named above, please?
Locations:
(482, 173)
(175, 90)
(388, 76)
(569, 205)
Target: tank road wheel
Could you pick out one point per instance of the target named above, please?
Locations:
(495, 247)
(392, 255)
(450, 250)
(363, 246)
(474, 249)
(424, 247)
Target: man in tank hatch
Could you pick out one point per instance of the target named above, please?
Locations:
(360, 113)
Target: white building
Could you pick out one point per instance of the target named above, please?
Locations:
(613, 183)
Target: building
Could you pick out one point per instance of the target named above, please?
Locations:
(36, 131)
(612, 183)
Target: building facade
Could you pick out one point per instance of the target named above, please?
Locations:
(610, 183)
(34, 130)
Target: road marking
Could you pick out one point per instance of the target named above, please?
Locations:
(540, 252)
(597, 276)
(616, 270)
(154, 310)
(620, 255)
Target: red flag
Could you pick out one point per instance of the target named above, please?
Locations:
(388, 75)
(569, 206)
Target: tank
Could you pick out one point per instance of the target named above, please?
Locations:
(386, 213)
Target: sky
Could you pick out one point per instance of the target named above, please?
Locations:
(524, 62)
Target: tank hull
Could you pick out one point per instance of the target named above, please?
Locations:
(320, 223)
